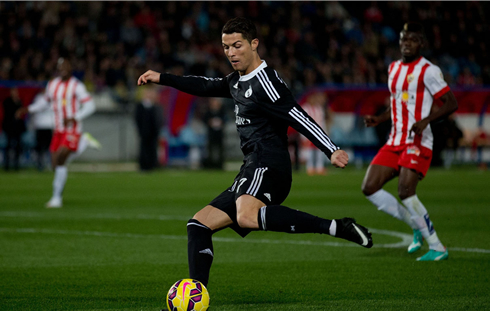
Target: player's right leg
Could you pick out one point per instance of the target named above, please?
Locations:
(253, 214)
(86, 141)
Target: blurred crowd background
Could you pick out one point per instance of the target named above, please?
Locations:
(309, 43)
(343, 44)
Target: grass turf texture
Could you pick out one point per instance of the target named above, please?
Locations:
(119, 243)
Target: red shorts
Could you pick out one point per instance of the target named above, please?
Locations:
(409, 156)
(64, 139)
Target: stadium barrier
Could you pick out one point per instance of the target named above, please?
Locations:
(114, 126)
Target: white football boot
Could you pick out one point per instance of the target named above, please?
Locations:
(54, 202)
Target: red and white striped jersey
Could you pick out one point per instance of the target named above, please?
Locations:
(413, 87)
(66, 98)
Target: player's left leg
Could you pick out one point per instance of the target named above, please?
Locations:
(407, 185)
(200, 250)
(86, 141)
(320, 162)
(310, 160)
(254, 214)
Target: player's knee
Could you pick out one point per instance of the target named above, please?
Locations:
(368, 188)
(195, 228)
(247, 220)
(405, 192)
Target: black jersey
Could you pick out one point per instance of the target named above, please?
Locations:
(264, 108)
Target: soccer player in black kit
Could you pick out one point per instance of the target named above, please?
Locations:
(264, 108)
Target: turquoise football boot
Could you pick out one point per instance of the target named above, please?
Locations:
(417, 242)
(433, 255)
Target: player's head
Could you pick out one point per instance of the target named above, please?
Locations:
(240, 43)
(411, 40)
(64, 68)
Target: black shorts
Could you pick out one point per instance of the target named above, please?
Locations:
(268, 182)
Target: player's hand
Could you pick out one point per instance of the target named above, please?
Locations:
(339, 158)
(370, 120)
(419, 127)
(21, 112)
(69, 121)
(149, 76)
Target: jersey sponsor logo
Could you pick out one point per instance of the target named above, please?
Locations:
(240, 120)
(405, 97)
(248, 93)
(413, 150)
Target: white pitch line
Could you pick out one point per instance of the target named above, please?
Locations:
(93, 216)
(402, 244)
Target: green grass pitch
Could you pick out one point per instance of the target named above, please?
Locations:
(120, 242)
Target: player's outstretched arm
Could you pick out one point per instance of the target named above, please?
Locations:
(339, 158)
(149, 76)
(194, 85)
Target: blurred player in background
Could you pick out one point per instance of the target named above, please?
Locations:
(215, 119)
(414, 83)
(316, 107)
(149, 120)
(264, 108)
(43, 124)
(13, 128)
(71, 104)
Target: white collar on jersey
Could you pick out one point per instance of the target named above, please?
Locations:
(253, 73)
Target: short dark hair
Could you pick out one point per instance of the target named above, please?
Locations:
(241, 25)
(414, 27)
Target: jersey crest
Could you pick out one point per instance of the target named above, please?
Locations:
(248, 93)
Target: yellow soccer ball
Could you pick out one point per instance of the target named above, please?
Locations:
(188, 295)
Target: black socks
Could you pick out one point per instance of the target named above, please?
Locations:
(284, 219)
(199, 251)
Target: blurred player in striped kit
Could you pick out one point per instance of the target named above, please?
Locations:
(71, 103)
(315, 158)
(414, 83)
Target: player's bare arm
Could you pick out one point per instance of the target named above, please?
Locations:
(149, 76)
(339, 158)
(370, 120)
(449, 106)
